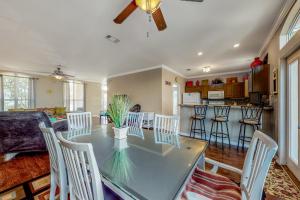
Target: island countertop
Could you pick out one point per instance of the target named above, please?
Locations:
(231, 105)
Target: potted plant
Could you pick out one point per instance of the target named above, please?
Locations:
(118, 111)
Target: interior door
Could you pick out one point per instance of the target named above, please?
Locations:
(293, 136)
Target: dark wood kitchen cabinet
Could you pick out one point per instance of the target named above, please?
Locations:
(234, 90)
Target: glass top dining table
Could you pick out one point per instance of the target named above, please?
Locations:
(146, 165)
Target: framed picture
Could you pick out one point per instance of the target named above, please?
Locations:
(275, 81)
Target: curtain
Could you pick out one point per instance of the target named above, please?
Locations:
(67, 95)
(32, 93)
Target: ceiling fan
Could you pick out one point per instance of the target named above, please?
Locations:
(151, 7)
(59, 75)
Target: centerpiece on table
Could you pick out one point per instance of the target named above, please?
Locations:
(118, 111)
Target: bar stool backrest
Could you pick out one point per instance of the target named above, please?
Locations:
(252, 113)
(222, 112)
(200, 110)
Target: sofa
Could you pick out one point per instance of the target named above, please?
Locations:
(19, 131)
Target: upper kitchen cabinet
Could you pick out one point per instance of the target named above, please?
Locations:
(261, 79)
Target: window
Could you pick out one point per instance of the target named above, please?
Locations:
(74, 96)
(295, 26)
(291, 25)
(17, 92)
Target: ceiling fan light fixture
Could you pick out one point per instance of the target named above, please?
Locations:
(58, 77)
(206, 69)
(148, 6)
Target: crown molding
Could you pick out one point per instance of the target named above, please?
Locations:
(173, 71)
(134, 71)
(219, 74)
(146, 69)
(277, 23)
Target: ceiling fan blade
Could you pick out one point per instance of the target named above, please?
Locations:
(125, 13)
(159, 20)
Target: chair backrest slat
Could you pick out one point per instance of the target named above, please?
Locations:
(135, 119)
(258, 159)
(84, 176)
(166, 124)
(79, 120)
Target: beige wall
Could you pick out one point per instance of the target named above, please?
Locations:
(273, 51)
(167, 97)
(49, 92)
(93, 97)
(148, 88)
(142, 88)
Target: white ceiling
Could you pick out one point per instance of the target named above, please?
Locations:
(36, 35)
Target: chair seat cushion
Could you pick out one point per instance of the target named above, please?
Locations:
(249, 121)
(220, 119)
(198, 117)
(205, 185)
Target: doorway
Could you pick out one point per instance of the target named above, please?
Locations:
(293, 136)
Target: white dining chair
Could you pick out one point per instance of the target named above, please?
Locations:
(58, 175)
(148, 120)
(135, 119)
(83, 173)
(166, 124)
(257, 162)
(79, 120)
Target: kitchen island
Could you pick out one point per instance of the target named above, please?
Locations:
(187, 111)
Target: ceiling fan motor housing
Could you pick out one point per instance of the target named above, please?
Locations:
(148, 6)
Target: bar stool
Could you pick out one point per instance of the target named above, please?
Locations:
(200, 116)
(251, 116)
(221, 117)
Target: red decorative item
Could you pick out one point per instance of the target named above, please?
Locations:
(197, 83)
(256, 63)
(189, 84)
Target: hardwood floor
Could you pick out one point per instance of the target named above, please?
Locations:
(228, 156)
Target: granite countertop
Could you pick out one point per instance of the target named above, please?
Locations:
(232, 106)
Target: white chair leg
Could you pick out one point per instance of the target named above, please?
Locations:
(52, 186)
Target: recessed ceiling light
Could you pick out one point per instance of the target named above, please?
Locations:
(200, 53)
(236, 45)
(206, 69)
(188, 69)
